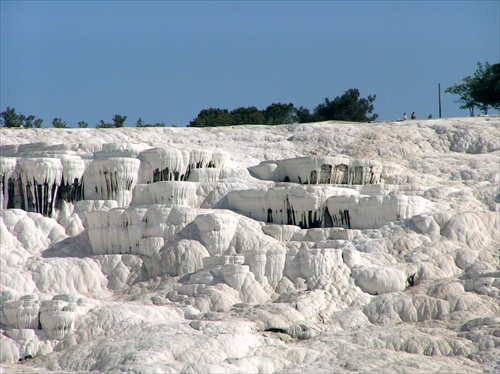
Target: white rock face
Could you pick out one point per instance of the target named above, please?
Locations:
(327, 247)
(323, 170)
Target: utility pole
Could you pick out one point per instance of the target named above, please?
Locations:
(439, 96)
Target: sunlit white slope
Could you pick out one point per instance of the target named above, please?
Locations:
(328, 247)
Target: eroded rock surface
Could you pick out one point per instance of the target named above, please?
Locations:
(328, 247)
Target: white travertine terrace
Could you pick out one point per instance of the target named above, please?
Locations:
(371, 212)
(7, 169)
(297, 205)
(328, 247)
(170, 164)
(111, 178)
(325, 206)
(324, 170)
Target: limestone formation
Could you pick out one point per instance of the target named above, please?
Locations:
(341, 247)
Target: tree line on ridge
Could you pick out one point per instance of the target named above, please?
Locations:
(481, 90)
(348, 107)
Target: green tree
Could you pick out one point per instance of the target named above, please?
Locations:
(211, 118)
(247, 116)
(141, 123)
(481, 90)
(11, 119)
(156, 124)
(348, 107)
(104, 125)
(304, 115)
(118, 120)
(464, 92)
(28, 121)
(83, 124)
(22, 119)
(485, 88)
(58, 123)
(278, 113)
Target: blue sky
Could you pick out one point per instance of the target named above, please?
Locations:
(164, 61)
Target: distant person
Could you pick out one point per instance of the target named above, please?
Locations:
(430, 116)
(404, 117)
(413, 116)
